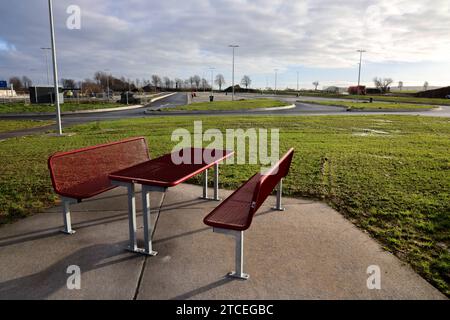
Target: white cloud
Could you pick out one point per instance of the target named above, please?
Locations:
(139, 37)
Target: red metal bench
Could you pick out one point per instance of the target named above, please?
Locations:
(81, 174)
(235, 214)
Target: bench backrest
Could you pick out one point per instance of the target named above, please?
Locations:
(269, 181)
(91, 166)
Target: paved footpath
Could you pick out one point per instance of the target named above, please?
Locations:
(307, 252)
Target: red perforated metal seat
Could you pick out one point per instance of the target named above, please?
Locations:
(235, 214)
(83, 173)
(237, 211)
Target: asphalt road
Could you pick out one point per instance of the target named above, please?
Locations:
(301, 109)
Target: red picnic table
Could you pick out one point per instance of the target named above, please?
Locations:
(159, 175)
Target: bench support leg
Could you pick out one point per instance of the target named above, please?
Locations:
(66, 215)
(239, 253)
(148, 229)
(278, 207)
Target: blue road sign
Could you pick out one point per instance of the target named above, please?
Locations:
(3, 84)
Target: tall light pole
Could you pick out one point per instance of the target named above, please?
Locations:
(360, 63)
(298, 75)
(45, 50)
(234, 46)
(55, 68)
(212, 80)
(276, 79)
(107, 83)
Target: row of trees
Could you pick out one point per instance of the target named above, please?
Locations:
(21, 84)
(102, 81)
(385, 84)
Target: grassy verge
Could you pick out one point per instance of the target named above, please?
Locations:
(71, 106)
(370, 106)
(388, 174)
(13, 125)
(410, 100)
(230, 105)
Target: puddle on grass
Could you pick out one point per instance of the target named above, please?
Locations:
(382, 121)
(370, 132)
(381, 157)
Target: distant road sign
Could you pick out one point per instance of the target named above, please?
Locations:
(3, 84)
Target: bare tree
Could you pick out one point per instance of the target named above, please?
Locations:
(425, 86)
(315, 84)
(383, 84)
(220, 81)
(400, 85)
(167, 82)
(89, 87)
(205, 84)
(16, 82)
(246, 81)
(156, 80)
(197, 81)
(68, 83)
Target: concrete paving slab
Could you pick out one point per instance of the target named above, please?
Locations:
(307, 252)
(34, 255)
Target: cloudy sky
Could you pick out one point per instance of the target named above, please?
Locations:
(407, 40)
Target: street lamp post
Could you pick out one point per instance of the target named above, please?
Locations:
(298, 75)
(276, 79)
(55, 68)
(234, 46)
(360, 63)
(212, 81)
(107, 83)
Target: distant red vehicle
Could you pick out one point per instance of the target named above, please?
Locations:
(361, 90)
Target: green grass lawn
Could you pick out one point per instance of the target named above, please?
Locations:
(230, 105)
(390, 175)
(71, 106)
(410, 100)
(13, 125)
(370, 106)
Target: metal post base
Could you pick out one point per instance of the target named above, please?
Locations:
(68, 232)
(143, 252)
(234, 275)
(210, 199)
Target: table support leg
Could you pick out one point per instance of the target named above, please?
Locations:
(148, 229)
(216, 184)
(205, 184)
(132, 217)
